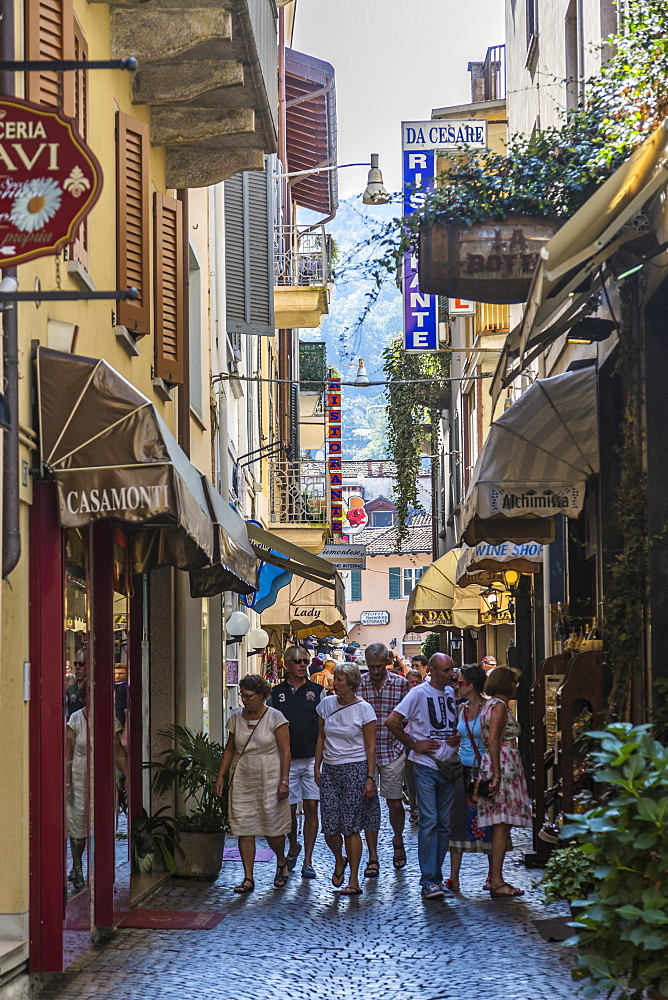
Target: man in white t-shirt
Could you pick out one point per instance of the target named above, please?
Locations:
(430, 710)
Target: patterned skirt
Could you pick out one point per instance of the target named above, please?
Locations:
(467, 834)
(343, 807)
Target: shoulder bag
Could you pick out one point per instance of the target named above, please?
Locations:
(477, 785)
(451, 769)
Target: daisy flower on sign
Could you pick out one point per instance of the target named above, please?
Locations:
(37, 202)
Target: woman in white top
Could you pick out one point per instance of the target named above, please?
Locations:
(345, 762)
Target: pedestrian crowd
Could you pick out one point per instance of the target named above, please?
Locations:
(340, 742)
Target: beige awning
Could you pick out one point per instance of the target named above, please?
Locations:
(535, 462)
(436, 601)
(114, 458)
(483, 563)
(567, 272)
(303, 608)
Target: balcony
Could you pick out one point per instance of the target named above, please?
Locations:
(303, 274)
(299, 503)
(209, 74)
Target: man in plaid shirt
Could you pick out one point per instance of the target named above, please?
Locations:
(384, 689)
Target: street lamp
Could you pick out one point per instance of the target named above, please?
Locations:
(237, 626)
(375, 192)
(361, 378)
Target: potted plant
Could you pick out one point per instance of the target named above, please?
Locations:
(150, 836)
(622, 928)
(569, 875)
(190, 765)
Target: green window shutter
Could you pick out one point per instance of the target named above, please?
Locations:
(356, 585)
(395, 583)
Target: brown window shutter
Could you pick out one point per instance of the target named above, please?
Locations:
(168, 289)
(133, 222)
(80, 79)
(49, 26)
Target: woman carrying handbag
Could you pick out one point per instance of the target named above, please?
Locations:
(257, 754)
(467, 834)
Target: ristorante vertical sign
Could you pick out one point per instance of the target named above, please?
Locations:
(420, 142)
(49, 181)
(334, 454)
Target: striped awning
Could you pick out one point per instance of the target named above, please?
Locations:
(535, 462)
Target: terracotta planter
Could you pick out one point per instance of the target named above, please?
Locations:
(487, 262)
(202, 855)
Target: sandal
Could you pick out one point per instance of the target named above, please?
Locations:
(505, 891)
(281, 877)
(449, 884)
(399, 860)
(292, 858)
(350, 891)
(372, 870)
(248, 885)
(488, 885)
(337, 877)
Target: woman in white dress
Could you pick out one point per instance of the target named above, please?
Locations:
(257, 754)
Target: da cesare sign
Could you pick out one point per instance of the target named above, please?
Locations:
(49, 181)
(420, 142)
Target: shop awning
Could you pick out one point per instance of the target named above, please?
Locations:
(234, 563)
(114, 458)
(311, 130)
(535, 462)
(482, 563)
(436, 601)
(273, 549)
(304, 608)
(561, 284)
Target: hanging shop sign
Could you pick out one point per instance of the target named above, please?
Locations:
(497, 608)
(345, 556)
(461, 307)
(49, 181)
(433, 619)
(355, 517)
(334, 464)
(443, 134)
(420, 309)
(374, 618)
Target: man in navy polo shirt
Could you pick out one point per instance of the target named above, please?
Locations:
(297, 698)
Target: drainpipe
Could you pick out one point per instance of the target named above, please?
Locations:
(11, 538)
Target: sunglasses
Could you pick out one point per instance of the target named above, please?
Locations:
(298, 661)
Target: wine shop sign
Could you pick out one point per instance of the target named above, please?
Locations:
(49, 181)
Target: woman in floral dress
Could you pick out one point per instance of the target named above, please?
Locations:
(508, 803)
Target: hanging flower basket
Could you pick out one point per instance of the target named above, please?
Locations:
(490, 261)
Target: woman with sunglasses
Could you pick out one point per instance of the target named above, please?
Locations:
(257, 755)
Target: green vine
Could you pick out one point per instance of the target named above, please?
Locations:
(625, 596)
(409, 408)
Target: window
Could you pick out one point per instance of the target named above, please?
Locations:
(168, 290)
(403, 580)
(353, 585)
(132, 221)
(382, 518)
(249, 253)
(532, 20)
(80, 81)
(49, 35)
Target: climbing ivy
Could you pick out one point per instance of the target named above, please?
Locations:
(409, 409)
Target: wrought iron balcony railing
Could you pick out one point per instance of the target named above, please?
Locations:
(302, 257)
(298, 493)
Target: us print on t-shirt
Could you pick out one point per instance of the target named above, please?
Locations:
(442, 710)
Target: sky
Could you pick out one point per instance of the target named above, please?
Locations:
(394, 61)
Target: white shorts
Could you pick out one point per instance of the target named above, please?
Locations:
(302, 782)
(391, 785)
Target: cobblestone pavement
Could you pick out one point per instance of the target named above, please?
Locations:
(307, 942)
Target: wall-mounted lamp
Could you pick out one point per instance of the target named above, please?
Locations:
(237, 626)
(258, 640)
(455, 642)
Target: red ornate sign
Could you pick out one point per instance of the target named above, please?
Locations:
(49, 181)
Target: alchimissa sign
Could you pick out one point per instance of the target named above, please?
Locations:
(49, 181)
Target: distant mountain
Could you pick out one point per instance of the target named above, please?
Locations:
(347, 341)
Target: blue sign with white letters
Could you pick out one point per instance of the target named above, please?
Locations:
(420, 310)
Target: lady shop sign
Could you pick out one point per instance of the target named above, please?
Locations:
(49, 181)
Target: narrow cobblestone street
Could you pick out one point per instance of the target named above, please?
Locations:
(306, 942)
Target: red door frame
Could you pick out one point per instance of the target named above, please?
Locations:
(47, 764)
